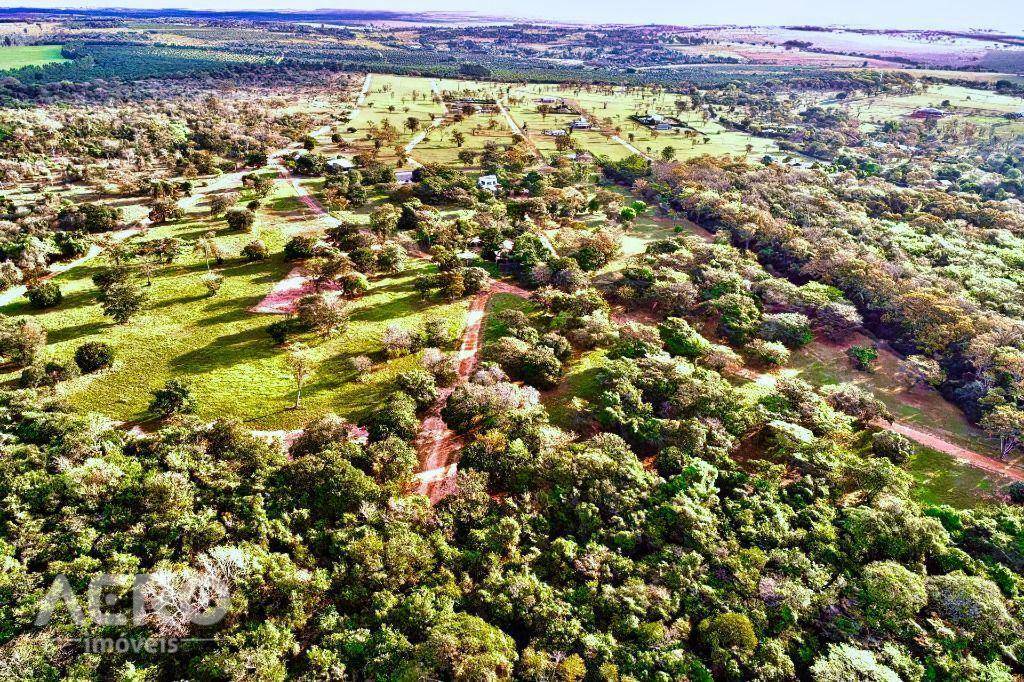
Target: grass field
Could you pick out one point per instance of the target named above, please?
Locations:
(943, 480)
(580, 382)
(215, 343)
(611, 109)
(396, 98)
(823, 363)
(29, 55)
(493, 328)
(983, 108)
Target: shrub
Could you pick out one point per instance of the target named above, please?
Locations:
(320, 435)
(353, 284)
(420, 385)
(729, 632)
(300, 247)
(213, 282)
(397, 418)
(790, 329)
(255, 250)
(890, 594)
(892, 446)
(1015, 491)
(280, 330)
(47, 375)
(681, 339)
(436, 332)
(240, 219)
(174, 398)
(361, 365)
(396, 341)
(122, 300)
(21, 340)
(558, 344)
(971, 603)
(325, 315)
(44, 295)
(117, 274)
(769, 352)
(93, 356)
(862, 357)
(444, 367)
(534, 365)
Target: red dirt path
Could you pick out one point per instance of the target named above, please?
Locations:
(1009, 470)
(438, 445)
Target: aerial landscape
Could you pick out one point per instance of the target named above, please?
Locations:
(359, 344)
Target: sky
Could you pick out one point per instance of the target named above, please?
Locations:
(1004, 15)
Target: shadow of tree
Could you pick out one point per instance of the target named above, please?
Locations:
(77, 331)
(226, 351)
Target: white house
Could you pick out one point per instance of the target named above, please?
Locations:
(403, 177)
(488, 182)
(340, 164)
(580, 124)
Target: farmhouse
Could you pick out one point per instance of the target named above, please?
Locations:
(488, 182)
(556, 132)
(340, 164)
(658, 122)
(580, 124)
(930, 113)
(472, 104)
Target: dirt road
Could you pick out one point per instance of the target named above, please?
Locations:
(438, 445)
(1010, 470)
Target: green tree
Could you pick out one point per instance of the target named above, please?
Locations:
(121, 301)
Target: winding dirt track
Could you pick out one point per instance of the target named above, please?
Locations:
(1010, 470)
(438, 445)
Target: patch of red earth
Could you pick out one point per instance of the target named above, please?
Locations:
(285, 296)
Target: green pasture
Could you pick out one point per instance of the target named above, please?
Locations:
(217, 344)
(21, 56)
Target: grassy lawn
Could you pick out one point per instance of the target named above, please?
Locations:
(580, 382)
(394, 99)
(439, 144)
(493, 328)
(981, 107)
(221, 347)
(29, 55)
(822, 363)
(612, 108)
(943, 480)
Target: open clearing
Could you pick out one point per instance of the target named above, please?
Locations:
(217, 344)
(29, 55)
